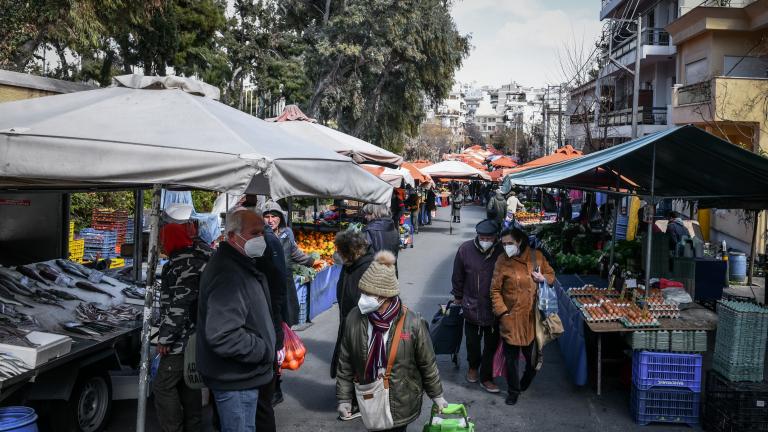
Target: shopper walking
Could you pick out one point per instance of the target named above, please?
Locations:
(472, 271)
(236, 335)
(497, 208)
(178, 407)
(356, 256)
(383, 340)
(430, 204)
(513, 292)
(413, 204)
(513, 203)
(380, 231)
(457, 201)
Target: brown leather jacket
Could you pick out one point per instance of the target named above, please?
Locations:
(513, 294)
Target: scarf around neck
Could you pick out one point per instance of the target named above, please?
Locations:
(377, 348)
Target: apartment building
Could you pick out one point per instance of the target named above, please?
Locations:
(722, 87)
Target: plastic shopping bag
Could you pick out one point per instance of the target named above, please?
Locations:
(294, 350)
(547, 299)
(499, 362)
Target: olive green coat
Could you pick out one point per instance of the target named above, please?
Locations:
(413, 373)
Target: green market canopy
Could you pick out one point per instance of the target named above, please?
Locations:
(684, 162)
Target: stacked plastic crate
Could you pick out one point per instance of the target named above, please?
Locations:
(666, 387)
(76, 246)
(735, 406)
(99, 244)
(112, 220)
(742, 330)
(737, 395)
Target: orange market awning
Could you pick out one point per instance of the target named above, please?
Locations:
(560, 155)
(504, 162)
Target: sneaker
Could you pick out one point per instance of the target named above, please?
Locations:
(511, 399)
(472, 376)
(355, 414)
(490, 387)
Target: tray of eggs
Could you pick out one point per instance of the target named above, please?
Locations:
(590, 290)
(639, 319)
(607, 310)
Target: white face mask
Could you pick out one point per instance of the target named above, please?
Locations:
(254, 247)
(485, 245)
(368, 304)
(512, 250)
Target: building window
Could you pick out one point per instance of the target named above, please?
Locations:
(748, 67)
(696, 71)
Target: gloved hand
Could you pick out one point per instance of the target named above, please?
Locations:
(344, 408)
(440, 403)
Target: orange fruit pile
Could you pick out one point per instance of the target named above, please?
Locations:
(314, 241)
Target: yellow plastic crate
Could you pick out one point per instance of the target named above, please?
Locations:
(71, 231)
(76, 250)
(116, 263)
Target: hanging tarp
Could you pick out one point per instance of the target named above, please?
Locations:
(171, 131)
(690, 164)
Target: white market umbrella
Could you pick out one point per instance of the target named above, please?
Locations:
(456, 170)
(170, 131)
(360, 151)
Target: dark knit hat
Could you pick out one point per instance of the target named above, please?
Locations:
(487, 227)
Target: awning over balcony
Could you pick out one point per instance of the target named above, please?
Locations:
(689, 163)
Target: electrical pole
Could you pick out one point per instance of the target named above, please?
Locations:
(546, 121)
(636, 90)
(559, 115)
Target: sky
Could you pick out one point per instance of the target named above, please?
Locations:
(518, 40)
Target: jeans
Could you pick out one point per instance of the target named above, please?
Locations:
(178, 406)
(415, 220)
(237, 409)
(265, 413)
(512, 354)
(481, 357)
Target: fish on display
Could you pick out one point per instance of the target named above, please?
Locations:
(11, 366)
(134, 293)
(28, 272)
(42, 299)
(70, 268)
(76, 327)
(8, 297)
(87, 286)
(14, 286)
(15, 276)
(63, 295)
(14, 336)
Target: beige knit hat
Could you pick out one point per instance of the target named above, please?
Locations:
(380, 279)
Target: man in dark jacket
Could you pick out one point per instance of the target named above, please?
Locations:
(472, 271)
(236, 335)
(381, 231)
(497, 208)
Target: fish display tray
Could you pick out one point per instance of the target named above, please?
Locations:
(666, 405)
(733, 406)
(654, 369)
(51, 346)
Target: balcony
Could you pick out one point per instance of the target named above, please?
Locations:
(582, 118)
(655, 42)
(694, 94)
(645, 116)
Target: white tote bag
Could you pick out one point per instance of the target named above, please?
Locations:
(373, 398)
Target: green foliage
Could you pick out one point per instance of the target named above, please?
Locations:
(203, 200)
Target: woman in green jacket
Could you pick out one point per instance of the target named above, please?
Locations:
(373, 323)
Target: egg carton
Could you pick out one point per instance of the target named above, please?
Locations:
(653, 323)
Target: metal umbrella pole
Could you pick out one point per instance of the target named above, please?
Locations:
(652, 204)
(141, 411)
(617, 203)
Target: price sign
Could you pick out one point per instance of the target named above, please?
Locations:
(95, 276)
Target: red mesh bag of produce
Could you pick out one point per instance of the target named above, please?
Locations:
(294, 349)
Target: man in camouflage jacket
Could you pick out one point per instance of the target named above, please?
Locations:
(178, 406)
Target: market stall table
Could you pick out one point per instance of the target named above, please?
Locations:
(691, 319)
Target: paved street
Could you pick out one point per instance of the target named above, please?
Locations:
(552, 403)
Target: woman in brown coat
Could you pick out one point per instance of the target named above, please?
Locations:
(513, 293)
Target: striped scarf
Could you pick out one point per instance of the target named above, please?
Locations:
(377, 348)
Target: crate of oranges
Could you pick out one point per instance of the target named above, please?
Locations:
(319, 243)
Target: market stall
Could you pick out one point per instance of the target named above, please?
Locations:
(658, 319)
(111, 139)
